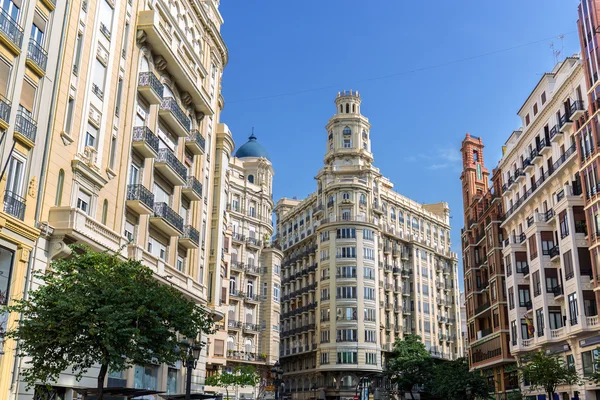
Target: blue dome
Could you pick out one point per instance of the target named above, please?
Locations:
(252, 149)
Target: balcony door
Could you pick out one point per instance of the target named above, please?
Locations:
(161, 195)
(11, 8)
(16, 174)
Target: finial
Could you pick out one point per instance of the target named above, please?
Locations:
(252, 137)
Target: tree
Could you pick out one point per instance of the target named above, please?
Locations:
(411, 364)
(97, 308)
(454, 381)
(547, 372)
(240, 376)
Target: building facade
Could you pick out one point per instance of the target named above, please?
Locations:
(251, 299)
(549, 284)
(28, 81)
(128, 161)
(362, 266)
(484, 272)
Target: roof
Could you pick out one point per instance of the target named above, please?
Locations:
(252, 149)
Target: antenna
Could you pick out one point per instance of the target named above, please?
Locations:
(555, 52)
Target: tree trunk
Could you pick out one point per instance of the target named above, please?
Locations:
(100, 384)
(227, 393)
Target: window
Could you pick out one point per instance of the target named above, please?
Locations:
(156, 248)
(346, 252)
(368, 254)
(524, 298)
(83, 201)
(564, 224)
(347, 143)
(180, 263)
(347, 335)
(12, 9)
(59, 187)
(588, 359)
(370, 314)
(104, 211)
(324, 336)
(369, 273)
(78, 49)
(371, 358)
(106, 17)
(543, 98)
(346, 292)
(91, 134)
(513, 331)
(145, 377)
(368, 235)
(5, 70)
(98, 78)
(69, 116)
(324, 358)
(573, 311)
(527, 120)
(535, 109)
(276, 291)
(539, 319)
(369, 293)
(346, 272)
(370, 336)
(6, 263)
(346, 313)
(15, 177)
(347, 357)
(346, 233)
(172, 375)
(251, 178)
(555, 319)
(568, 265)
(325, 315)
(325, 294)
(475, 156)
(347, 131)
(129, 231)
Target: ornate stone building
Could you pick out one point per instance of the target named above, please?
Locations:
(363, 265)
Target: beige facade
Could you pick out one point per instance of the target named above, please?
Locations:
(28, 30)
(129, 166)
(363, 265)
(251, 285)
(551, 303)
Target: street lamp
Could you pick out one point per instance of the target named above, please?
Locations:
(277, 373)
(189, 356)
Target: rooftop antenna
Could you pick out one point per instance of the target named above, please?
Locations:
(555, 52)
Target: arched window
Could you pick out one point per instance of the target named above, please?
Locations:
(347, 108)
(347, 131)
(248, 345)
(401, 217)
(104, 211)
(230, 343)
(346, 196)
(232, 285)
(415, 223)
(59, 187)
(393, 213)
(144, 64)
(251, 178)
(384, 207)
(250, 288)
(353, 108)
(363, 199)
(341, 109)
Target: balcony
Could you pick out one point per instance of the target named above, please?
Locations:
(558, 291)
(481, 308)
(25, 128)
(565, 122)
(252, 298)
(174, 117)
(253, 242)
(14, 205)
(519, 175)
(160, 34)
(145, 141)
(167, 163)
(11, 33)
(140, 199)
(195, 143)
(544, 147)
(150, 87)
(577, 109)
(231, 324)
(554, 253)
(251, 327)
(37, 57)
(190, 239)
(192, 188)
(555, 133)
(528, 166)
(4, 112)
(167, 220)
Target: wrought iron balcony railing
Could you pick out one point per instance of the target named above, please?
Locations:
(11, 28)
(170, 104)
(139, 192)
(167, 156)
(37, 54)
(162, 210)
(14, 205)
(150, 80)
(26, 125)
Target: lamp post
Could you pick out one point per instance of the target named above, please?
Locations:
(277, 373)
(189, 356)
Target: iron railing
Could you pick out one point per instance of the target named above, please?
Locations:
(162, 210)
(150, 80)
(170, 104)
(167, 156)
(11, 28)
(189, 232)
(144, 134)
(26, 125)
(14, 205)
(4, 108)
(196, 137)
(37, 54)
(194, 184)
(139, 192)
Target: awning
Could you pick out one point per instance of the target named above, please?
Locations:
(193, 396)
(119, 392)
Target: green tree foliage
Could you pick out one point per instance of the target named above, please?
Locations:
(240, 376)
(547, 372)
(97, 308)
(454, 381)
(411, 364)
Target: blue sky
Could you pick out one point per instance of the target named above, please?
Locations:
(428, 72)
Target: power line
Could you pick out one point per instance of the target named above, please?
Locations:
(411, 71)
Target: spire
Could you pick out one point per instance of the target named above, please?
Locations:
(252, 137)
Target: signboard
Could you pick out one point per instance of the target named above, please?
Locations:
(270, 388)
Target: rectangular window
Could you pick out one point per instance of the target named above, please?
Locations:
(573, 311)
(156, 248)
(324, 336)
(346, 252)
(568, 265)
(145, 377)
(347, 335)
(324, 358)
(325, 314)
(346, 233)
(371, 358)
(556, 320)
(369, 293)
(537, 287)
(539, 319)
(369, 273)
(276, 292)
(172, 375)
(83, 201)
(511, 298)
(588, 359)
(69, 116)
(91, 135)
(564, 224)
(370, 314)
(368, 235)
(370, 336)
(346, 272)
(347, 357)
(346, 314)
(346, 292)
(533, 251)
(347, 143)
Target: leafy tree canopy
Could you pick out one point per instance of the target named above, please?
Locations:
(411, 363)
(240, 376)
(454, 381)
(547, 372)
(97, 308)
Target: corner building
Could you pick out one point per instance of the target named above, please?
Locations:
(549, 284)
(484, 272)
(362, 266)
(135, 121)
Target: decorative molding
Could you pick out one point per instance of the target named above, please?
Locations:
(67, 140)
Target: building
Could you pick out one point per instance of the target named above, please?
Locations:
(549, 282)
(28, 81)
(463, 325)
(251, 334)
(128, 161)
(484, 271)
(363, 265)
